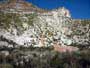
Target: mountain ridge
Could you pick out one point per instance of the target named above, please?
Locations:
(21, 5)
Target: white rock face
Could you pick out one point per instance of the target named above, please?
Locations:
(53, 25)
(64, 12)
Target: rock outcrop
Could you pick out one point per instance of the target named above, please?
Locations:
(42, 28)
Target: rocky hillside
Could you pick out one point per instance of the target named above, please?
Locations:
(26, 28)
(19, 6)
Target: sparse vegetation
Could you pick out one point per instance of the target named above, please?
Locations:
(11, 19)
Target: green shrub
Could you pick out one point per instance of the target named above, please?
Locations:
(6, 66)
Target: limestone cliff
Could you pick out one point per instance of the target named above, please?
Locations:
(24, 28)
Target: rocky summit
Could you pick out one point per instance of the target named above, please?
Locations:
(23, 24)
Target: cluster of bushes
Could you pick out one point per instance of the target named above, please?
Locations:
(44, 58)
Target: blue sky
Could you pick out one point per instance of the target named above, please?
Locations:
(80, 9)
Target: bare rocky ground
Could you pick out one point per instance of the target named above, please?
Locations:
(43, 58)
